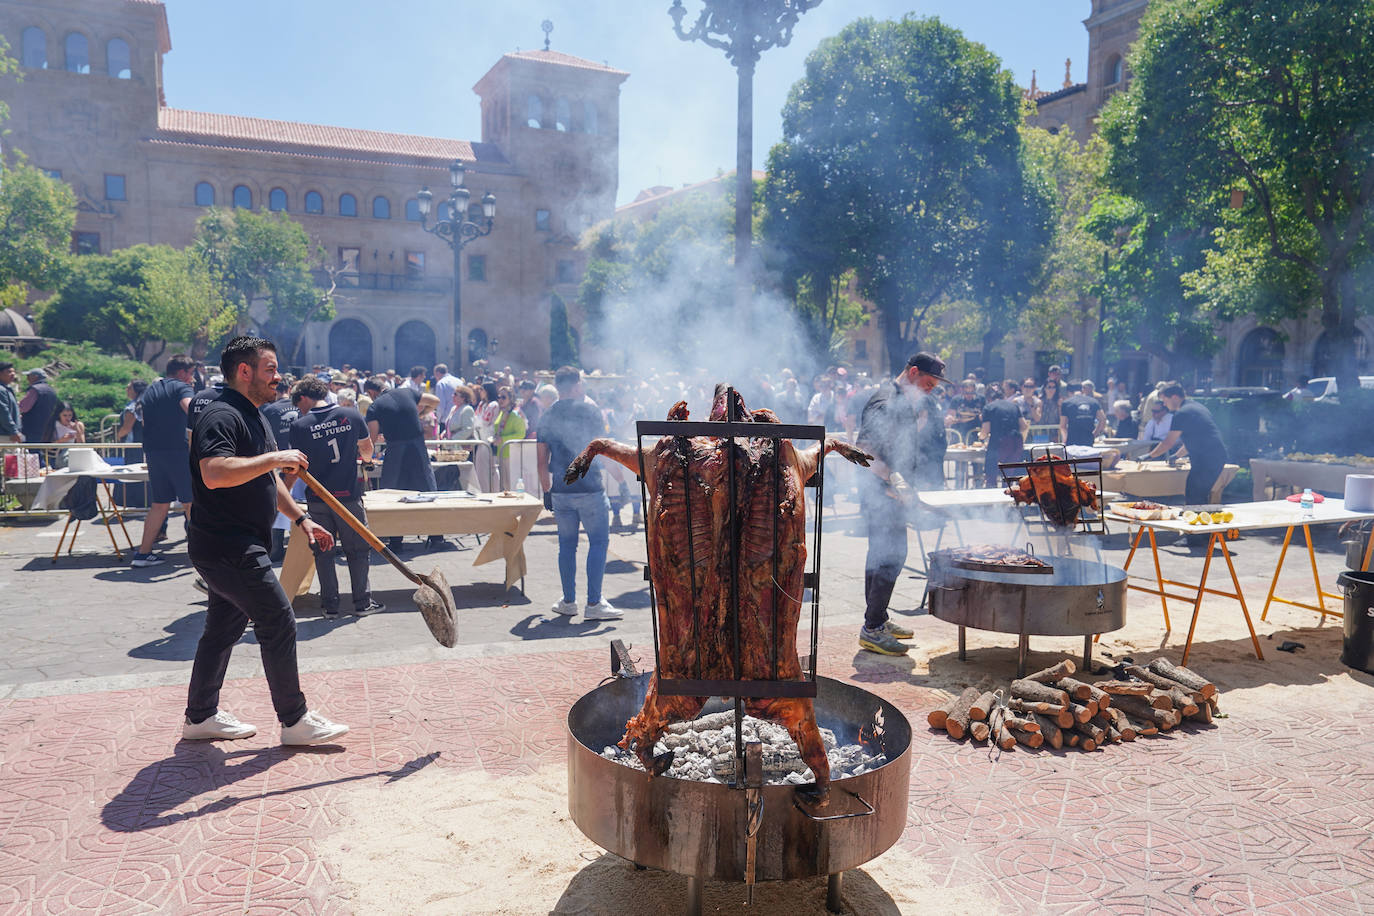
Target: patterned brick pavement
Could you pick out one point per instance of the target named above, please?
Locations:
(102, 810)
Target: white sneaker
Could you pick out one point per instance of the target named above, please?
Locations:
(602, 610)
(565, 608)
(222, 725)
(313, 728)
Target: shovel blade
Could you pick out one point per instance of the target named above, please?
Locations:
(434, 598)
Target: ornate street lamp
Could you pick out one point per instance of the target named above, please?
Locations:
(743, 29)
(457, 230)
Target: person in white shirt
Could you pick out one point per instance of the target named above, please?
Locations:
(416, 382)
(1159, 424)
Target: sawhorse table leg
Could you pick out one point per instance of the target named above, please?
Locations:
(1218, 540)
(1322, 594)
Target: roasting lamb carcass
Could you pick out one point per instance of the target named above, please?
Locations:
(1056, 489)
(688, 526)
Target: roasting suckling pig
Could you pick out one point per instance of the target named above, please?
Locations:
(1057, 489)
(691, 565)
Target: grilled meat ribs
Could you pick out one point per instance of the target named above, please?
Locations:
(1056, 489)
(691, 564)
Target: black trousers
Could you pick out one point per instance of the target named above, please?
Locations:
(1197, 489)
(244, 589)
(886, 518)
(356, 552)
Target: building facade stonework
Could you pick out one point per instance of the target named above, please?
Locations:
(91, 109)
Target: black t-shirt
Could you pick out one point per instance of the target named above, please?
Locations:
(280, 414)
(566, 428)
(231, 518)
(164, 422)
(890, 428)
(37, 425)
(329, 436)
(198, 402)
(397, 413)
(962, 405)
(1200, 434)
(1081, 412)
(1126, 428)
(1004, 421)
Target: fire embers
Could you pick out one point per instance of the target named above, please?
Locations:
(703, 750)
(1057, 490)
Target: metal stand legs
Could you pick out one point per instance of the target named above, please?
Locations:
(832, 893)
(693, 907)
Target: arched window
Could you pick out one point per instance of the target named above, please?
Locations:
(1261, 359)
(243, 197)
(562, 115)
(314, 202)
(78, 53)
(348, 205)
(381, 208)
(589, 115)
(534, 111)
(35, 48)
(1324, 356)
(477, 345)
(205, 194)
(414, 345)
(117, 60)
(413, 210)
(276, 200)
(350, 344)
(1115, 70)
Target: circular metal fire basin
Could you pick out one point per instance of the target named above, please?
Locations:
(1080, 598)
(698, 828)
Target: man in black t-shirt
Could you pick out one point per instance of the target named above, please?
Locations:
(564, 431)
(234, 466)
(281, 413)
(393, 417)
(1004, 427)
(333, 438)
(1081, 418)
(201, 398)
(164, 446)
(1201, 437)
(894, 428)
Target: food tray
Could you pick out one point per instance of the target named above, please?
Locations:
(1128, 510)
(941, 557)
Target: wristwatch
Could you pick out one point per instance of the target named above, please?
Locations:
(301, 520)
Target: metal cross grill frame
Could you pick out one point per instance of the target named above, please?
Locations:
(731, 430)
(1082, 470)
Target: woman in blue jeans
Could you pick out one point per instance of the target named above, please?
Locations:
(592, 512)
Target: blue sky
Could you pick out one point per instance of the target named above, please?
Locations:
(409, 65)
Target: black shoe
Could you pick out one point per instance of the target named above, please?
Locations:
(331, 613)
(372, 607)
(435, 542)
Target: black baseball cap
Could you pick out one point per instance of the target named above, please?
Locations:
(930, 364)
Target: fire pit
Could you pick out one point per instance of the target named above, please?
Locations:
(699, 829)
(1079, 597)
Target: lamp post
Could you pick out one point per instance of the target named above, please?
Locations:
(457, 230)
(743, 29)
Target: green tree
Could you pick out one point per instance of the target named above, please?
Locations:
(562, 343)
(1273, 98)
(900, 149)
(137, 300)
(265, 265)
(37, 215)
(92, 380)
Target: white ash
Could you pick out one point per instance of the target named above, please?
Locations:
(704, 751)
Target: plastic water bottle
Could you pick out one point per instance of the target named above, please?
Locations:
(1307, 502)
(520, 485)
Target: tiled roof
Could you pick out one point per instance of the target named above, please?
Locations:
(567, 60)
(238, 132)
(1060, 93)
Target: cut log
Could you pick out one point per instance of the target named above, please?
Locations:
(1036, 692)
(1202, 713)
(1159, 681)
(1086, 744)
(1091, 730)
(978, 730)
(1029, 739)
(1124, 688)
(958, 720)
(1189, 679)
(1082, 713)
(1160, 699)
(1027, 724)
(1102, 698)
(1001, 736)
(1054, 737)
(1061, 715)
(1074, 688)
(1072, 738)
(1140, 710)
(1122, 724)
(982, 706)
(1054, 673)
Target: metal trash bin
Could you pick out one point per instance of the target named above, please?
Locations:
(1359, 620)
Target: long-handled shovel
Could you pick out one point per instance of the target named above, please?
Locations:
(434, 598)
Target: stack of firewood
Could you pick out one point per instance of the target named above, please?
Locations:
(1051, 707)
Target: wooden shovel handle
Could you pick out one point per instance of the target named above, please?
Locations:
(372, 540)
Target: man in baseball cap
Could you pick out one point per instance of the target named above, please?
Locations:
(928, 364)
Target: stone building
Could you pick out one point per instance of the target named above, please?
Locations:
(1252, 354)
(92, 110)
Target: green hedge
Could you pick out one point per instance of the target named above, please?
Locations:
(94, 381)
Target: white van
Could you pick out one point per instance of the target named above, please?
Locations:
(1325, 387)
